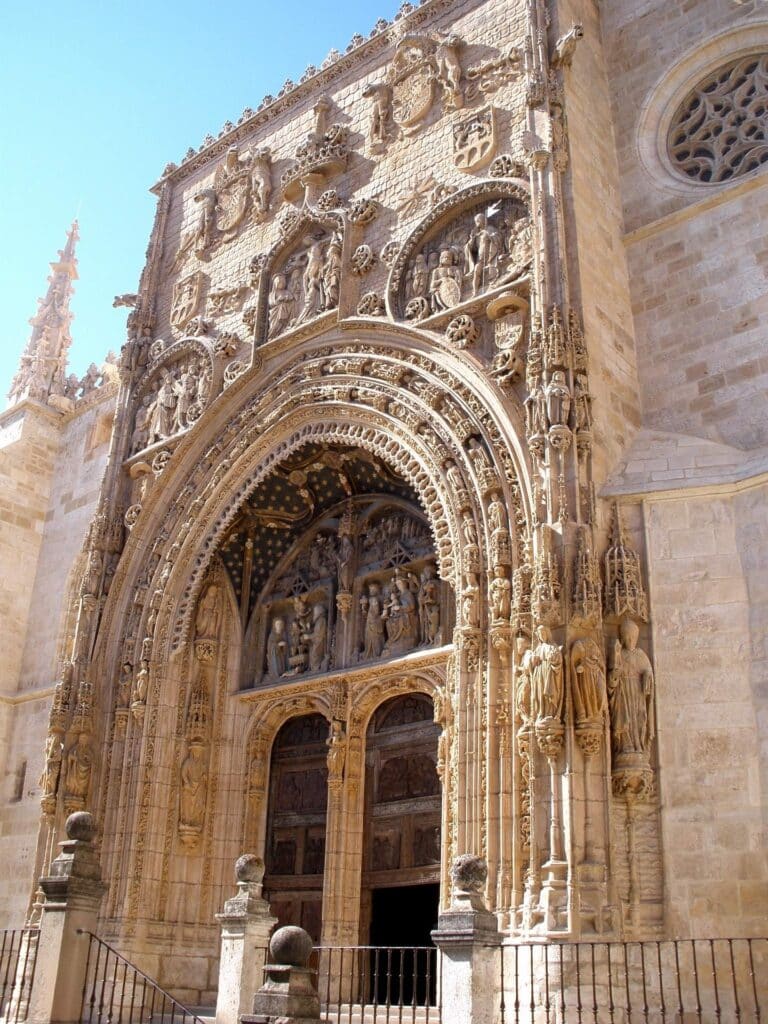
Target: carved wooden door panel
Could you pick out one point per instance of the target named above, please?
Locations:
(295, 848)
(403, 802)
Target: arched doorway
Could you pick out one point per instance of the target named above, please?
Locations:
(298, 798)
(401, 852)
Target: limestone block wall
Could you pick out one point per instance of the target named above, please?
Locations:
(696, 252)
(51, 471)
(708, 602)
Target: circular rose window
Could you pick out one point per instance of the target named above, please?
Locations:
(720, 130)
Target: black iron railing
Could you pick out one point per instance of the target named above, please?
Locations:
(691, 981)
(115, 991)
(18, 956)
(378, 984)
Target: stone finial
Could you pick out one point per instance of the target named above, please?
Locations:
(291, 946)
(249, 868)
(80, 826)
(469, 873)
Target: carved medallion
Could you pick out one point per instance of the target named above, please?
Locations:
(186, 299)
(474, 140)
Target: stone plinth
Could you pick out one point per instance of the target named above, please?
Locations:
(246, 924)
(73, 892)
(289, 993)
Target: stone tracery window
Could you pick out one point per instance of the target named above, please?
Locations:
(720, 130)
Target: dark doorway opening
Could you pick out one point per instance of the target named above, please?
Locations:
(402, 919)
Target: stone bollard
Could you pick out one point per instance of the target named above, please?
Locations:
(468, 937)
(289, 994)
(73, 892)
(246, 924)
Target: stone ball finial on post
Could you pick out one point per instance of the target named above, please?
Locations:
(80, 826)
(249, 868)
(291, 946)
(289, 993)
(469, 873)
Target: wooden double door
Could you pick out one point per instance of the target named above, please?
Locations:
(400, 855)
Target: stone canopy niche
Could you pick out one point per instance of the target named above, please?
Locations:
(333, 564)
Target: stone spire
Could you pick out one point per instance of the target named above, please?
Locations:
(42, 367)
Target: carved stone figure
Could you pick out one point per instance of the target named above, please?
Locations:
(449, 70)
(373, 622)
(500, 594)
(337, 750)
(316, 638)
(208, 614)
(261, 182)
(630, 690)
(445, 282)
(194, 790)
(163, 415)
(401, 617)
(140, 436)
(481, 253)
(345, 560)
(547, 676)
(332, 273)
(78, 772)
(312, 280)
(429, 606)
(277, 648)
(470, 600)
(558, 398)
(589, 693)
(419, 276)
(49, 780)
(186, 393)
(380, 95)
(523, 681)
(282, 307)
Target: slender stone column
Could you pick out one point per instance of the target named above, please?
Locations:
(73, 892)
(468, 938)
(246, 924)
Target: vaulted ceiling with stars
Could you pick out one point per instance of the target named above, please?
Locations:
(294, 497)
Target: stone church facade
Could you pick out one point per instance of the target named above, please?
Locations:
(424, 510)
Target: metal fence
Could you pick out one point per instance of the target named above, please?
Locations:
(378, 984)
(692, 981)
(115, 991)
(18, 956)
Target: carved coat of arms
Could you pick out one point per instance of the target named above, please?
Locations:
(232, 184)
(186, 299)
(411, 77)
(474, 140)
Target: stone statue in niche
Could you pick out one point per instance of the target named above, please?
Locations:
(372, 609)
(163, 411)
(332, 273)
(429, 606)
(194, 791)
(277, 648)
(316, 638)
(140, 435)
(345, 561)
(208, 614)
(78, 770)
(449, 70)
(282, 306)
(180, 396)
(419, 277)
(401, 616)
(547, 677)
(588, 673)
(500, 596)
(557, 395)
(470, 600)
(49, 780)
(630, 691)
(337, 750)
(261, 183)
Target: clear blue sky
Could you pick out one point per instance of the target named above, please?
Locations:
(97, 98)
